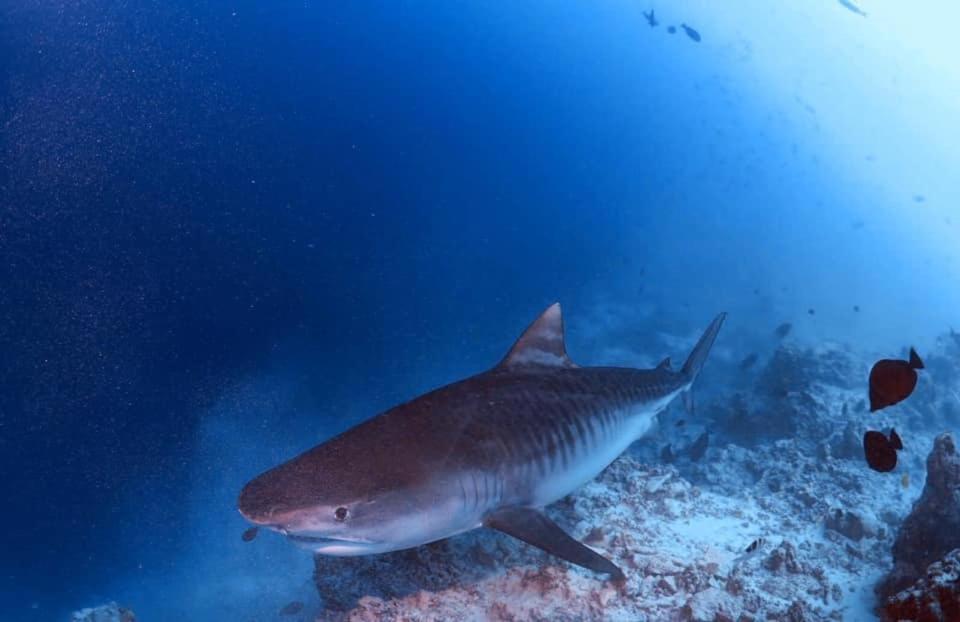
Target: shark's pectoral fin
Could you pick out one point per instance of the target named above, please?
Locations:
(533, 527)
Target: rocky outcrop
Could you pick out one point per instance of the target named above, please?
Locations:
(795, 396)
(932, 528)
(933, 598)
(110, 612)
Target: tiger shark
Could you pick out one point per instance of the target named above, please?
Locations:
(489, 451)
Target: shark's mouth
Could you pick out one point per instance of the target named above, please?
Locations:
(326, 540)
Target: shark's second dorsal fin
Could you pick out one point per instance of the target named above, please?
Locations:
(542, 343)
(665, 364)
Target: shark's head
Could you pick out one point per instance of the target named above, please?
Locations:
(346, 497)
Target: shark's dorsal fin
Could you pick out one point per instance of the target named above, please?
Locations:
(542, 343)
(665, 364)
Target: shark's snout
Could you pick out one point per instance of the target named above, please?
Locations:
(257, 505)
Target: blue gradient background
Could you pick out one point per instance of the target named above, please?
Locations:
(229, 230)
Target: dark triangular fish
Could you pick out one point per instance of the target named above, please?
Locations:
(699, 447)
(893, 380)
(651, 18)
(879, 451)
(249, 534)
(292, 609)
(666, 454)
(783, 330)
(693, 34)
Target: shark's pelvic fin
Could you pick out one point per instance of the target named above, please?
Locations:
(542, 343)
(698, 355)
(534, 528)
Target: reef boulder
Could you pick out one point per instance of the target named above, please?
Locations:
(111, 612)
(932, 529)
(935, 596)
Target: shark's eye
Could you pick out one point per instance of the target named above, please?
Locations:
(341, 514)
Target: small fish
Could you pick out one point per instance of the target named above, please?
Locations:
(672, 29)
(783, 330)
(666, 454)
(905, 480)
(812, 311)
(249, 534)
(680, 423)
(595, 536)
(850, 6)
(880, 453)
(693, 34)
(292, 608)
(754, 546)
(893, 380)
(651, 19)
(919, 198)
(748, 362)
(856, 308)
(751, 551)
(699, 447)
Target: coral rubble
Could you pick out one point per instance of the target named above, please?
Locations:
(110, 612)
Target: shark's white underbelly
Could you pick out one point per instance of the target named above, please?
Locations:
(590, 459)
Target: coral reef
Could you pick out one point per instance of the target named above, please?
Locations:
(111, 612)
(932, 528)
(934, 597)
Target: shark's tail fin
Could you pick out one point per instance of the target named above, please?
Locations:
(699, 354)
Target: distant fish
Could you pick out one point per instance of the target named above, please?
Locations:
(595, 536)
(666, 454)
(856, 308)
(754, 546)
(852, 7)
(748, 362)
(651, 19)
(783, 330)
(880, 452)
(919, 198)
(672, 29)
(699, 447)
(893, 380)
(812, 311)
(751, 551)
(292, 609)
(680, 423)
(693, 34)
(249, 534)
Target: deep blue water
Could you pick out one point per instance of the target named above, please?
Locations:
(228, 230)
